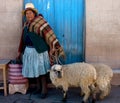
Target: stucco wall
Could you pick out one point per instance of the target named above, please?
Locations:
(103, 32)
(10, 27)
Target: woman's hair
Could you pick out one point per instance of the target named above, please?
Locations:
(32, 11)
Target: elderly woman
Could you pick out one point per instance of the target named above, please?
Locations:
(38, 45)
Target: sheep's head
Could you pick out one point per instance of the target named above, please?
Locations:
(57, 69)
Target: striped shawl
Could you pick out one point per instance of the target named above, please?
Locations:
(40, 26)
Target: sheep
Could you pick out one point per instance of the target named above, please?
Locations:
(103, 81)
(80, 75)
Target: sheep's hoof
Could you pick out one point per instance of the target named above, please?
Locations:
(94, 100)
(101, 97)
(91, 100)
(83, 102)
(64, 99)
(86, 102)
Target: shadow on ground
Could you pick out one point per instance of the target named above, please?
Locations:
(55, 96)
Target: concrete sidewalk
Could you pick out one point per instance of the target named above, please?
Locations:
(55, 96)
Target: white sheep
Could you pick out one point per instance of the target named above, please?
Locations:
(80, 75)
(103, 81)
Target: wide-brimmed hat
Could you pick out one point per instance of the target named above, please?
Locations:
(29, 6)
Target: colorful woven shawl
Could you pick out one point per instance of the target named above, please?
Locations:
(40, 26)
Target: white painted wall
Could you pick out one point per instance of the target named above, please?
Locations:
(10, 27)
(103, 32)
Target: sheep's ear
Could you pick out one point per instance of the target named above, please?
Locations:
(56, 67)
(53, 67)
(60, 73)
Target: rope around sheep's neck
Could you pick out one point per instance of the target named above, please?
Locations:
(56, 58)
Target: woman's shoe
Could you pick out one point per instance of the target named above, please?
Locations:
(38, 91)
(43, 95)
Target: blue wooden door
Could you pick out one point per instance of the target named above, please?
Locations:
(66, 17)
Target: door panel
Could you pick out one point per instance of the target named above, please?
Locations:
(66, 17)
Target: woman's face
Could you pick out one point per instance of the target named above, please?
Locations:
(30, 15)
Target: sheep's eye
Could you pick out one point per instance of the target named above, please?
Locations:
(54, 70)
(59, 72)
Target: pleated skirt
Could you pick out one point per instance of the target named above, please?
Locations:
(34, 63)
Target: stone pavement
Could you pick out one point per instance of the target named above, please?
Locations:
(55, 96)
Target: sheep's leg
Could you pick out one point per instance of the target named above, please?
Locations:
(104, 93)
(94, 90)
(86, 91)
(64, 95)
(109, 88)
(105, 90)
(81, 93)
(65, 89)
(94, 93)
